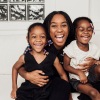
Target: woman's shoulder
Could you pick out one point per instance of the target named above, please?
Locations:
(51, 49)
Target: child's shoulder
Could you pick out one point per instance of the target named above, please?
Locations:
(93, 45)
(71, 45)
(22, 56)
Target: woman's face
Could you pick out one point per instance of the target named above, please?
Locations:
(59, 30)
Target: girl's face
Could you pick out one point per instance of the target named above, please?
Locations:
(84, 32)
(37, 38)
(59, 30)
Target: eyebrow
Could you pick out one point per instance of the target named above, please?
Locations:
(83, 27)
(55, 22)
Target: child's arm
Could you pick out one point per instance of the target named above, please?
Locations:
(60, 69)
(15, 68)
(70, 69)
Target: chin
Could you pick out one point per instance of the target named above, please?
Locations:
(60, 44)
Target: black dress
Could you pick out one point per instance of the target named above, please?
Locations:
(59, 89)
(29, 91)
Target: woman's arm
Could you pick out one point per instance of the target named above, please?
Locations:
(88, 63)
(35, 77)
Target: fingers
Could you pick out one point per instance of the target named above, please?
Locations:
(82, 65)
(89, 58)
(13, 96)
(38, 77)
(42, 82)
(83, 81)
(40, 72)
(85, 70)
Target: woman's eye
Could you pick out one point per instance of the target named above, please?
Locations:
(64, 25)
(53, 25)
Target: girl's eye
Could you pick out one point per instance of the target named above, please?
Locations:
(43, 36)
(33, 36)
(81, 29)
(90, 29)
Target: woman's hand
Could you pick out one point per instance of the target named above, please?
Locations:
(88, 62)
(37, 77)
(97, 62)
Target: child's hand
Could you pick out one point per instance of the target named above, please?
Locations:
(13, 94)
(83, 77)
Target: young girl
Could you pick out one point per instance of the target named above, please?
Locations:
(76, 53)
(36, 59)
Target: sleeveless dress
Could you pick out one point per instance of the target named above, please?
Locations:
(29, 91)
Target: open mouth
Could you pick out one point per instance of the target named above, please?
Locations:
(86, 38)
(38, 45)
(59, 38)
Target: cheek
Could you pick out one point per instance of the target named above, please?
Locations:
(44, 41)
(77, 34)
(66, 33)
(51, 35)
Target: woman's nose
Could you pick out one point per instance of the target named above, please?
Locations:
(59, 29)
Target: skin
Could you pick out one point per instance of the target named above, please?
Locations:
(61, 30)
(84, 33)
(37, 40)
(85, 26)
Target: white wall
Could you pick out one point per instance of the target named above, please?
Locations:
(13, 35)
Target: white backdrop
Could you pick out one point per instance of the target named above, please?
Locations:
(13, 35)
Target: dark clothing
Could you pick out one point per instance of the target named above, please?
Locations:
(93, 82)
(60, 88)
(58, 53)
(91, 78)
(86, 97)
(56, 89)
(33, 91)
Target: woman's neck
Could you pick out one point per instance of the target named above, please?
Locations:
(58, 47)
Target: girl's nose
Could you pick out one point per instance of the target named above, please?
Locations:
(85, 30)
(38, 39)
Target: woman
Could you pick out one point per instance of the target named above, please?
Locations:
(60, 33)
